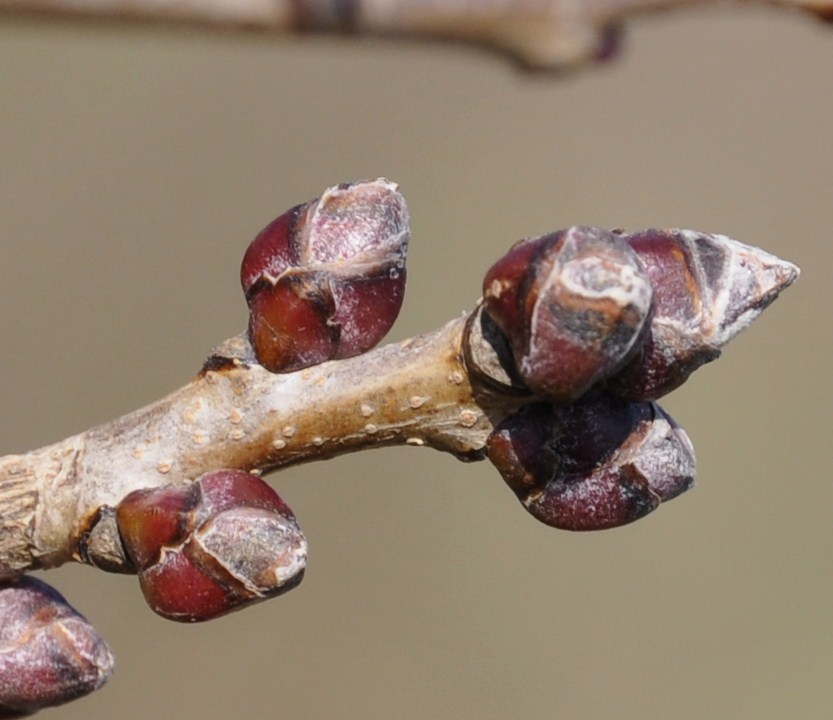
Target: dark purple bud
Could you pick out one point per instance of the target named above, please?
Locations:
(326, 279)
(49, 654)
(524, 450)
(225, 541)
(289, 322)
(596, 464)
(707, 288)
(574, 305)
(610, 43)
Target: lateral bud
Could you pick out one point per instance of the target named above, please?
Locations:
(326, 279)
(596, 464)
(49, 654)
(574, 305)
(225, 541)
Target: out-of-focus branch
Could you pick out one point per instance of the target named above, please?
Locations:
(540, 34)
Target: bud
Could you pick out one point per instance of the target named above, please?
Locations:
(326, 279)
(707, 288)
(225, 541)
(49, 654)
(596, 464)
(574, 305)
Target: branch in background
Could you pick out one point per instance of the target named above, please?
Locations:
(537, 34)
(553, 377)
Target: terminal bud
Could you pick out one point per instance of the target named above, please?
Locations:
(707, 288)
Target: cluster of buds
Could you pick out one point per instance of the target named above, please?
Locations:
(201, 550)
(578, 334)
(599, 324)
(591, 325)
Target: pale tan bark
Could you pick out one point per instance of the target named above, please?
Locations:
(235, 414)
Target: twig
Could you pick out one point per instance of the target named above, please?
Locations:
(236, 414)
(539, 34)
(553, 377)
(563, 314)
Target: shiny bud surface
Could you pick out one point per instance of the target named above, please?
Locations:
(574, 305)
(597, 464)
(204, 549)
(707, 289)
(49, 654)
(326, 279)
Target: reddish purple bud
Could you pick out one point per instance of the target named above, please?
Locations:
(225, 541)
(707, 288)
(573, 304)
(273, 250)
(326, 279)
(610, 43)
(523, 448)
(289, 322)
(49, 654)
(593, 465)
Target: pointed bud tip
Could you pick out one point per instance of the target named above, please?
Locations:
(757, 278)
(707, 289)
(782, 272)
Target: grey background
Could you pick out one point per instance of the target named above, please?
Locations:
(136, 164)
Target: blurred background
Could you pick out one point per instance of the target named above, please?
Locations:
(137, 163)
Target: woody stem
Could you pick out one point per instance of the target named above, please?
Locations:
(235, 414)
